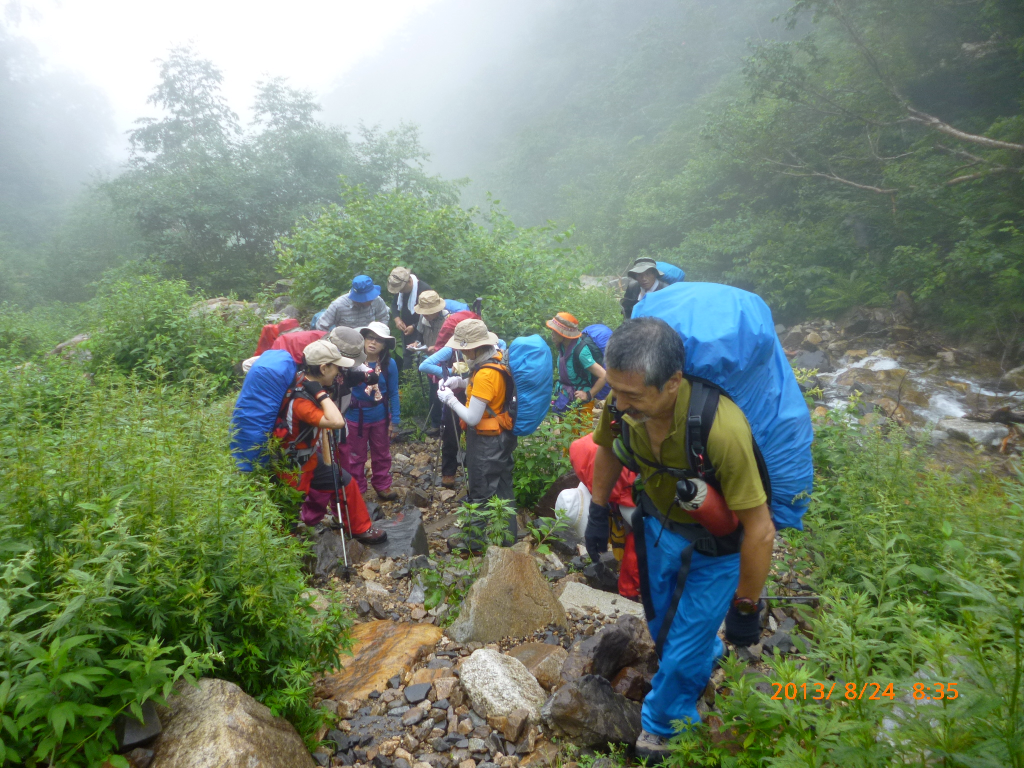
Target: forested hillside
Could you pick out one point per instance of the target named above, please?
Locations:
(824, 153)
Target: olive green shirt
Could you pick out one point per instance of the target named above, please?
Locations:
(730, 449)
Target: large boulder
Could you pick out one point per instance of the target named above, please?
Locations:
(980, 432)
(614, 646)
(498, 685)
(380, 650)
(218, 725)
(590, 713)
(509, 598)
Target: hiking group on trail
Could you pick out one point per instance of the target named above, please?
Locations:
(700, 452)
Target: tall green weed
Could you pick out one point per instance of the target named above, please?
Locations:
(134, 554)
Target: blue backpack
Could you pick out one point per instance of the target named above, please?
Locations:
(671, 273)
(596, 337)
(732, 348)
(258, 404)
(531, 363)
(313, 321)
(455, 306)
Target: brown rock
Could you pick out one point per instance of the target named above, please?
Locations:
(509, 598)
(611, 648)
(426, 675)
(516, 721)
(820, 412)
(631, 683)
(445, 685)
(218, 725)
(812, 340)
(543, 660)
(544, 755)
(380, 650)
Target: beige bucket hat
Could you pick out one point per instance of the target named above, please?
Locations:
(428, 303)
(349, 342)
(322, 352)
(470, 334)
(397, 279)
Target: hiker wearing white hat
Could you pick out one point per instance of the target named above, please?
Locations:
(485, 416)
(373, 413)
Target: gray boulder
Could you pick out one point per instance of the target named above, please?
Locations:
(218, 725)
(406, 535)
(590, 713)
(983, 433)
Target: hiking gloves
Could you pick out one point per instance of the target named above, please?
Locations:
(446, 396)
(312, 387)
(596, 535)
(743, 628)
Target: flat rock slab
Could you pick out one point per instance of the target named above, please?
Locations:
(980, 432)
(380, 650)
(218, 725)
(580, 597)
(406, 535)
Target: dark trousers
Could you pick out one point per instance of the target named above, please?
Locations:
(489, 461)
(451, 430)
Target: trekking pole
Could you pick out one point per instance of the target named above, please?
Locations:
(337, 497)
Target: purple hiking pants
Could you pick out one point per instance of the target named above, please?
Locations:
(375, 441)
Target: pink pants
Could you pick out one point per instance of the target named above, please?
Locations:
(375, 440)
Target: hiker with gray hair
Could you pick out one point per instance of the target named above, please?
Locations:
(485, 416)
(698, 566)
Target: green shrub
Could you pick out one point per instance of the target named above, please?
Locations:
(133, 553)
(543, 457)
(156, 328)
(25, 333)
(524, 275)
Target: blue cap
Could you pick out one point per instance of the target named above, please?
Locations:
(363, 289)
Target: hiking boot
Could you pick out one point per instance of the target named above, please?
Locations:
(448, 481)
(652, 747)
(434, 432)
(389, 495)
(371, 536)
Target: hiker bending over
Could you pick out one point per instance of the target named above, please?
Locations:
(447, 367)
(645, 427)
(306, 413)
(485, 416)
(580, 377)
(373, 413)
(644, 277)
(358, 308)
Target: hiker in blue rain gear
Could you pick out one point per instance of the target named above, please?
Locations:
(444, 366)
(689, 578)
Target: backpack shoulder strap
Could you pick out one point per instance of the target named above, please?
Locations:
(699, 420)
(510, 383)
(585, 342)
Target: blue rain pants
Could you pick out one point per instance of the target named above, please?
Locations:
(692, 643)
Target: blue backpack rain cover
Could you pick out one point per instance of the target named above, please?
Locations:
(600, 334)
(730, 340)
(672, 273)
(258, 404)
(531, 362)
(452, 305)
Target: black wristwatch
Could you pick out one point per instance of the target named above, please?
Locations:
(745, 605)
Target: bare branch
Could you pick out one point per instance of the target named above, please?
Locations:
(847, 182)
(982, 175)
(930, 121)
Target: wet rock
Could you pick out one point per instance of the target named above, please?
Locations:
(381, 649)
(973, 431)
(582, 598)
(813, 359)
(140, 757)
(603, 654)
(589, 712)
(133, 733)
(812, 340)
(497, 685)
(509, 598)
(414, 694)
(1012, 381)
(217, 725)
(406, 535)
(544, 662)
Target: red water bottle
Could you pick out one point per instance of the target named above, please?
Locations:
(706, 505)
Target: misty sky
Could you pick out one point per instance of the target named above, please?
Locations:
(113, 43)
